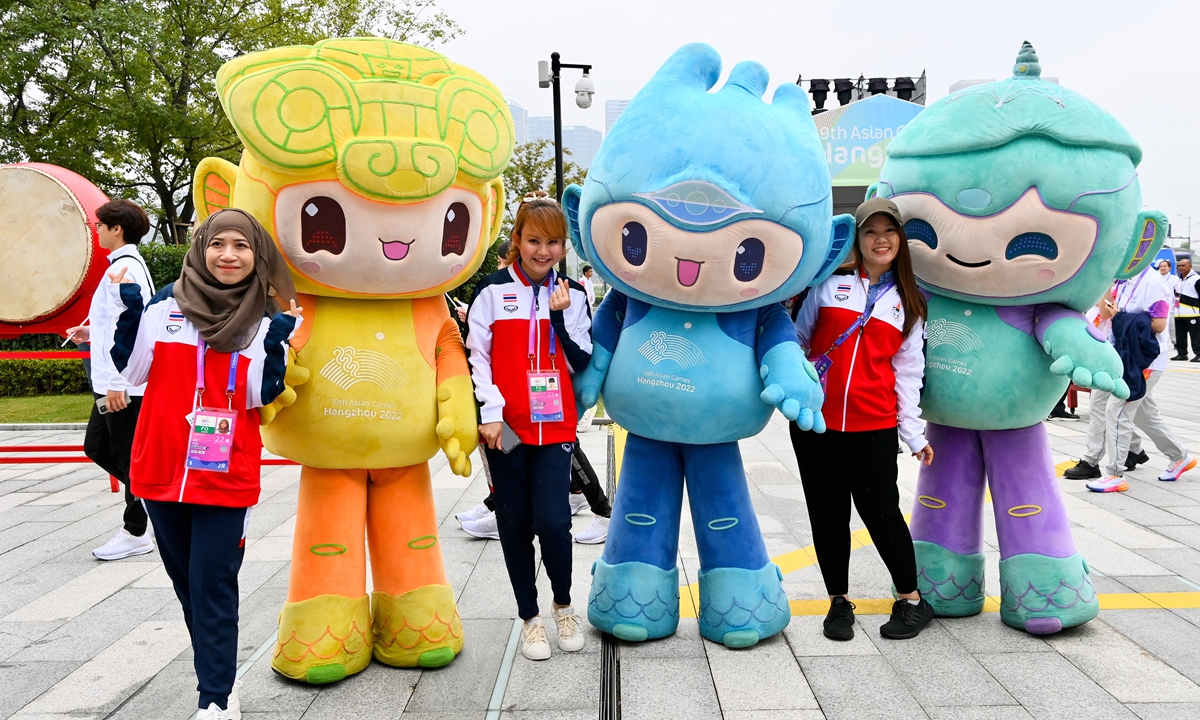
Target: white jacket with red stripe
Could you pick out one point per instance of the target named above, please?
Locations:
(877, 373)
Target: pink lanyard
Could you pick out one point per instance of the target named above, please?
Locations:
(201, 348)
(533, 319)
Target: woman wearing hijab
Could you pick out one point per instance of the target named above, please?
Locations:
(212, 348)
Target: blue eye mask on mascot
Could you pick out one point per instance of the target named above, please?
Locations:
(702, 211)
(1021, 205)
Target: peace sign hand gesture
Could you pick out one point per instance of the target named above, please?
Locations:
(294, 311)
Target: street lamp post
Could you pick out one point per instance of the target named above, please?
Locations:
(548, 76)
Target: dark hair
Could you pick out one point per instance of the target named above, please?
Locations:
(586, 268)
(906, 281)
(127, 215)
(543, 211)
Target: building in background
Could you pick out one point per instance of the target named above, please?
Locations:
(541, 127)
(520, 118)
(581, 140)
(612, 111)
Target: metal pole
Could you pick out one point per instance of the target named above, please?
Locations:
(555, 67)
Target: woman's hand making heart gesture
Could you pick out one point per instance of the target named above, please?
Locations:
(118, 278)
(560, 299)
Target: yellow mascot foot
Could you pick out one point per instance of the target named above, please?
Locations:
(323, 639)
(420, 628)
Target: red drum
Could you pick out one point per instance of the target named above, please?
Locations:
(50, 255)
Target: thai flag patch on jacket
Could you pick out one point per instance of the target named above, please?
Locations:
(844, 287)
(510, 297)
(175, 316)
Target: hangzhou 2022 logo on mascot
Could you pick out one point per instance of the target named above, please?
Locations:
(376, 166)
(1021, 205)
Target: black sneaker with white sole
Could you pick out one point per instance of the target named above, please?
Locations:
(1083, 470)
(907, 620)
(839, 622)
(1132, 461)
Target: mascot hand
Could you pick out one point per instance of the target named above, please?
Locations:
(1089, 362)
(457, 428)
(792, 386)
(295, 375)
(588, 382)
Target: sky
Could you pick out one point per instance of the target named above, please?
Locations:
(1138, 60)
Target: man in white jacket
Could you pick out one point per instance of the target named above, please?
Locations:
(108, 440)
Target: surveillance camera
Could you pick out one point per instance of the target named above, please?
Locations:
(584, 90)
(543, 74)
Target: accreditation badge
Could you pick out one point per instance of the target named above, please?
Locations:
(545, 396)
(210, 442)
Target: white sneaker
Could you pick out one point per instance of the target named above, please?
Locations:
(124, 545)
(1175, 469)
(485, 527)
(212, 712)
(578, 503)
(595, 534)
(585, 422)
(533, 640)
(233, 706)
(473, 514)
(569, 637)
(1108, 483)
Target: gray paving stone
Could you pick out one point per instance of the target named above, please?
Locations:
(804, 637)
(16, 636)
(1132, 509)
(774, 715)
(984, 633)
(939, 672)
(23, 513)
(1049, 686)
(567, 681)
(686, 642)
(876, 692)
(1166, 711)
(1165, 635)
(488, 594)
(16, 536)
(24, 681)
(763, 677)
(376, 693)
(37, 581)
(577, 714)
(31, 555)
(265, 692)
(1187, 534)
(169, 694)
(466, 684)
(667, 689)
(992, 712)
(1156, 583)
(99, 627)
(1120, 667)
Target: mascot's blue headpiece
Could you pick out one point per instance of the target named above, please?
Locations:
(710, 201)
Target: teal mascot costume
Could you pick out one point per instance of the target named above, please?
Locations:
(702, 211)
(1021, 204)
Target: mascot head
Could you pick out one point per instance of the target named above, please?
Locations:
(375, 164)
(1019, 192)
(709, 201)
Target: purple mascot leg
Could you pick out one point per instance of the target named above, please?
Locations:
(947, 523)
(1044, 582)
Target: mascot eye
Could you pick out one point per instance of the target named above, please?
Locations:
(917, 229)
(322, 226)
(633, 243)
(749, 261)
(455, 227)
(1034, 243)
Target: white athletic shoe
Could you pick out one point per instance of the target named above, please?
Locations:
(233, 706)
(485, 527)
(569, 637)
(1175, 469)
(578, 502)
(124, 545)
(585, 422)
(533, 640)
(595, 533)
(212, 712)
(473, 514)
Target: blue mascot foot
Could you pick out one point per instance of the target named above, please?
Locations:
(952, 583)
(1042, 595)
(634, 601)
(739, 607)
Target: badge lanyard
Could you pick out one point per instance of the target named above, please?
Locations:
(210, 442)
(544, 386)
(822, 362)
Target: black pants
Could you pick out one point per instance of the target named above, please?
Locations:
(829, 484)
(108, 442)
(530, 485)
(1185, 326)
(202, 547)
(583, 480)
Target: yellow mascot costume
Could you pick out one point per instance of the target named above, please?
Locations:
(376, 165)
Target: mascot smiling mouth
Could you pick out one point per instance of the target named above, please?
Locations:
(956, 261)
(395, 250)
(688, 271)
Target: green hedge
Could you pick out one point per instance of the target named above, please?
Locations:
(19, 378)
(164, 261)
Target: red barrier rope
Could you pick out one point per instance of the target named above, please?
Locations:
(46, 355)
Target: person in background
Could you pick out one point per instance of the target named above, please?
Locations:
(863, 329)
(1174, 282)
(1187, 315)
(207, 347)
(588, 287)
(108, 440)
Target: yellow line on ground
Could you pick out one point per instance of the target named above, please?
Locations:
(1108, 601)
(1062, 467)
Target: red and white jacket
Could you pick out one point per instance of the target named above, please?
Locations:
(498, 349)
(877, 373)
(158, 347)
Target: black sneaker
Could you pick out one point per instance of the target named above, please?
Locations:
(839, 623)
(907, 620)
(1063, 414)
(1180, 357)
(1083, 470)
(1196, 359)
(1132, 461)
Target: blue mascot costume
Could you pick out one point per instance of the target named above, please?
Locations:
(702, 211)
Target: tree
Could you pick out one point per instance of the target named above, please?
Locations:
(532, 169)
(123, 92)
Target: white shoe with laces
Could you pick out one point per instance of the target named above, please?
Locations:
(578, 503)
(595, 533)
(233, 706)
(485, 527)
(124, 545)
(533, 640)
(569, 637)
(473, 514)
(212, 712)
(1175, 469)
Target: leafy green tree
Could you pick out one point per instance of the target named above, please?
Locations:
(123, 92)
(532, 169)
